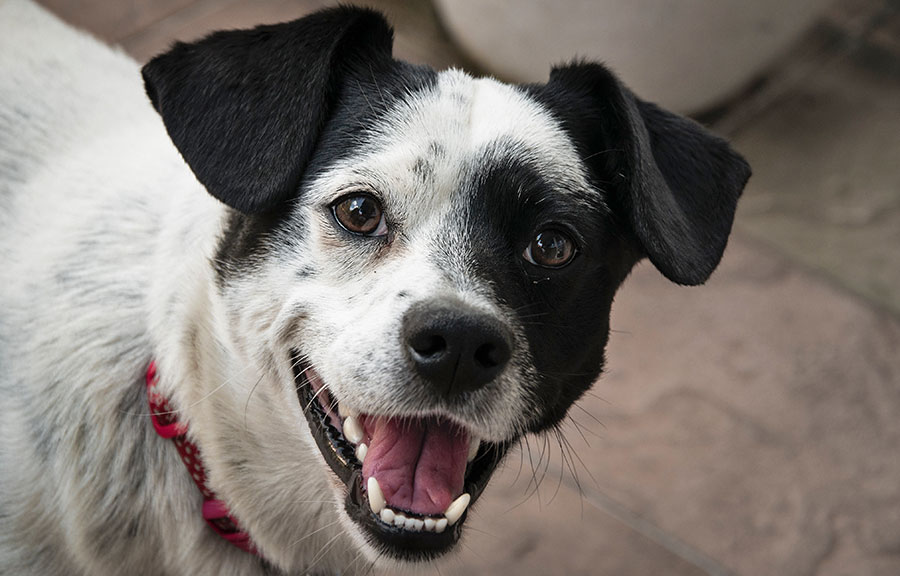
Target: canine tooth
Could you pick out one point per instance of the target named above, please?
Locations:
(474, 444)
(413, 524)
(440, 525)
(361, 451)
(429, 524)
(456, 509)
(399, 520)
(346, 412)
(352, 430)
(387, 516)
(376, 497)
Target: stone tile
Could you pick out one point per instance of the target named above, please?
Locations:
(826, 183)
(113, 21)
(755, 419)
(511, 531)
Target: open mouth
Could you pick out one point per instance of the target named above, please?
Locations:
(410, 481)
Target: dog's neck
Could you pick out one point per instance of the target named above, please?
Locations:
(215, 511)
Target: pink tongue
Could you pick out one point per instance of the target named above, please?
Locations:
(420, 464)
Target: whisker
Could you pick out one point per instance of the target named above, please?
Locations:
(573, 452)
(316, 531)
(583, 409)
(534, 479)
(195, 403)
(315, 397)
(247, 403)
(561, 466)
(472, 550)
(582, 429)
(607, 151)
(324, 549)
(567, 459)
(372, 566)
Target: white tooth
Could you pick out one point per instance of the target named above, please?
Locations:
(440, 525)
(361, 451)
(456, 509)
(347, 412)
(387, 516)
(399, 520)
(429, 524)
(376, 497)
(413, 524)
(474, 443)
(352, 430)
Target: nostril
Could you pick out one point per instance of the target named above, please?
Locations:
(454, 348)
(428, 345)
(488, 356)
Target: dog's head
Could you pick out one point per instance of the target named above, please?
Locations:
(421, 263)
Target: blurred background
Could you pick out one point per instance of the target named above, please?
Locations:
(750, 426)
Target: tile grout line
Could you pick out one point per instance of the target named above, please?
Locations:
(819, 273)
(649, 530)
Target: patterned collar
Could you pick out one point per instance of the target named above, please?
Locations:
(215, 512)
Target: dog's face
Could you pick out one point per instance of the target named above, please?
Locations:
(424, 262)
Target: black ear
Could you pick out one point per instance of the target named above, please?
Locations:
(681, 183)
(245, 107)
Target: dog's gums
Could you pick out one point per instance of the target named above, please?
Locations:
(431, 470)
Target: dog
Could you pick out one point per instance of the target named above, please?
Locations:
(279, 303)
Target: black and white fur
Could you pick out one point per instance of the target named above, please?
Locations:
(218, 255)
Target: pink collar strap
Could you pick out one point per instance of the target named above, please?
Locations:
(166, 424)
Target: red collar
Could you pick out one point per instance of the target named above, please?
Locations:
(215, 511)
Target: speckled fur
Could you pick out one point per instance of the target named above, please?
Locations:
(112, 253)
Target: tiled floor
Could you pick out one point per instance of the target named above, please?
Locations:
(750, 426)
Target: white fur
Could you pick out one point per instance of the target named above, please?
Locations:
(106, 241)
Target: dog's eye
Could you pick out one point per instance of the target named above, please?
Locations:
(360, 214)
(550, 248)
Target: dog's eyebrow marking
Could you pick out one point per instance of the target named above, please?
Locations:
(461, 116)
(423, 169)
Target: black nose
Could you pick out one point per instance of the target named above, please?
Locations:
(455, 347)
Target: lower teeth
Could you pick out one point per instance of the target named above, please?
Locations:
(392, 517)
(353, 432)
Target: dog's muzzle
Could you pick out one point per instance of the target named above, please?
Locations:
(411, 480)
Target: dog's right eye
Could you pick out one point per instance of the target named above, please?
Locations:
(360, 214)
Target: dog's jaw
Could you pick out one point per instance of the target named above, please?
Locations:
(402, 525)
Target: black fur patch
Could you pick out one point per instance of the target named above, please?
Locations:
(363, 97)
(559, 309)
(246, 108)
(675, 184)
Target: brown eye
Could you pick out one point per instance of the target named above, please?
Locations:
(550, 248)
(360, 214)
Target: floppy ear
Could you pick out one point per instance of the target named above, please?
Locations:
(681, 183)
(245, 107)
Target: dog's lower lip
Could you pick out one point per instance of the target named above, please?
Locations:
(341, 457)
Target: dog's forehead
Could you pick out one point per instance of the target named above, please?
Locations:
(481, 111)
(430, 144)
